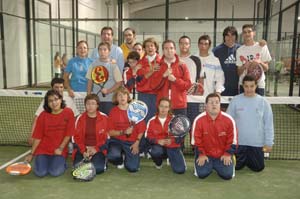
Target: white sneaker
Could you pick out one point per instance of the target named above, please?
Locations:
(158, 167)
(120, 166)
(168, 162)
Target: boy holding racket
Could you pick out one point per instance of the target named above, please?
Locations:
(91, 134)
(214, 137)
(162, 144)
(251, 52)
(114, 79)
(254, 120)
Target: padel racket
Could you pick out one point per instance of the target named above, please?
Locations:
(179, 125)
(84, 171)
(136, 112)
(254, 69)
(100, 77)
(19, 168)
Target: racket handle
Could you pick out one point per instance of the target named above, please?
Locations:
(103, 95)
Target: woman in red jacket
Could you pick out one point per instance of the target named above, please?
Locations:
(163, 144)
(91, 134)
(124, 137)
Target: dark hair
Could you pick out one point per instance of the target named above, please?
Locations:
(123, 90)
(131, 29)
(104, 44)
(170, 112)
(82, 41)
(57, 80)
(107, 28)
(204, 37)
(151, 40)
(184, 37)
(168, 41)
(211, 95)
(248, 26)
(46, 102)
(133, 55)
(138, 44)
(232, 30)
(92, 96)
(249, 78)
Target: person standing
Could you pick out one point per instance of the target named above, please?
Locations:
(254, 119)
(77, 68)
(251, 52)
(116, 53)
(173, 79)
(211, 73)
(127, 46)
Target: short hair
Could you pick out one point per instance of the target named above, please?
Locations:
(123, 90)
(107, 28)
(104, 44)
(46, 101)
(131, 29)
(168, 41)
(133, 55)
(57, 80)
(249, 78)
(138, 44)
(211, 95)
(170, 112)
(92, 96)
(151, 40)
(232, 30)
(82, 41)
(248, 26)
(184, 37)
(204, 37)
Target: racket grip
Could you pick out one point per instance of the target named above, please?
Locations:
(103, 95)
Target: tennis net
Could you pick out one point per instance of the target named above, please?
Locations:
(18, 107)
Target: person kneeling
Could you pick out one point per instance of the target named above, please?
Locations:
(214, 137)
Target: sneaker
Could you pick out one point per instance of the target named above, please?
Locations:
(168, 162)
(120, 166)
(142, 155)
(158, 166)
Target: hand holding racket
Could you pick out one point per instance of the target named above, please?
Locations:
(84, 171)
(136, 112)
(100, 77)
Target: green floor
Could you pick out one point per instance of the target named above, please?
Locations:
(279, 180)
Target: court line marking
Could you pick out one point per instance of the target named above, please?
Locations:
(14, 160)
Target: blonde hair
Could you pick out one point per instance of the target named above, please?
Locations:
(122, 90)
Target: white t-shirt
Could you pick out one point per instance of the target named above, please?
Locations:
(249, 53)
(69, 102)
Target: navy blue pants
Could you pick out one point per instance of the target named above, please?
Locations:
(105, 107)
(54, 165)
(225, 172)
(97, 159)
(118, 147)
(175, 155)
(150, 100)
(252, 157)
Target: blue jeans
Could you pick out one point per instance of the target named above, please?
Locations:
(225, 172)
(150, 100)
(252, 157)
(176, 158)
(118, 147)
(98, 160)
(54, 165)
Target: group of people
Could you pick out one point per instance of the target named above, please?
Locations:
(103, 132)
